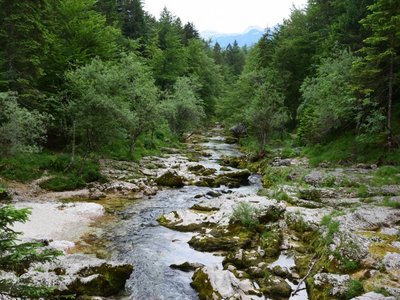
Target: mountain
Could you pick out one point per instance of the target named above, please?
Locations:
(249, 37)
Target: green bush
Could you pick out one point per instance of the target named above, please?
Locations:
(246, 214)
(60, 183)
(355, 289)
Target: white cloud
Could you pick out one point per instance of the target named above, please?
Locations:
(227, 16)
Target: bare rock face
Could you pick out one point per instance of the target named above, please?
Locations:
(80, 275)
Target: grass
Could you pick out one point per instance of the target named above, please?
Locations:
(246, 214)
(387, 175)
(388, 203)
(273, 176)
(346, 149)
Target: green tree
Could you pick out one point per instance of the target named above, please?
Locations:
(77, 34)
(169, 63)
(22, 33)
(266, 114)
(329, 103)
(16, 257)
(235, 58)
(183, 109)
(208, 74)
(21, 130)
(111, 102)
(377, 70)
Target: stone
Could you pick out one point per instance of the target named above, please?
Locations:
(213, 194)
(338, 284)
(391, 261)
(213, 283)
(238, 130)
(314, 178)
(187, 266)
(81, 275)
(373, 296)
(277, 287)
(170, 179)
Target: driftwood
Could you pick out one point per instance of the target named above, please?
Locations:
(311, 266)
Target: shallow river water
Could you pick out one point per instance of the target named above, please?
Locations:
(139, 240)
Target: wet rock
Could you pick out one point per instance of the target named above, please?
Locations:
(276, 287)
(119, 186)
(281, 271)
(213, 194)
(187, 266)
(170, 179)
(211, 243)
(81, 275)
(373, 296)
(197, 169)
(230, 140)
(184, 220)
(213, 283)
(234, 179)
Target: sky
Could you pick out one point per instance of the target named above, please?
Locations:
(226, 16)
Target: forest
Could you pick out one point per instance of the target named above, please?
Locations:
(104, 78)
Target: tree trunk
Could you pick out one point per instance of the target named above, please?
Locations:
(389, 107)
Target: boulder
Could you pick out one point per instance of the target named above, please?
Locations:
(170, 179)
(213, 283)
(238, 130)
(80, 275)
(187, 266)
(373, 296)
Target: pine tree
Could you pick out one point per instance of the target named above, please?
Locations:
(376, 71)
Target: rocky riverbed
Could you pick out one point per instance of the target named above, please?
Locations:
(200, 223)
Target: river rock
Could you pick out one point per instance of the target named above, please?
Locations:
(213, 283)
(238, 130)
(187, 266)
(184, 220)
(373, 296)
(170, 179)
(276, 287)
(80, 274)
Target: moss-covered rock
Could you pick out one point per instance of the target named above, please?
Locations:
(310, 194)
(276, 288)
(202, 284)
(170, 179)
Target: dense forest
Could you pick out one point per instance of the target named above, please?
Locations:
(104, 77)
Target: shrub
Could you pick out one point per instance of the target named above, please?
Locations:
(246, 214)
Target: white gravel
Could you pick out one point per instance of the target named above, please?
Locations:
(62, 223)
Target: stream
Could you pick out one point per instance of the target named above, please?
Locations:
(138, 239)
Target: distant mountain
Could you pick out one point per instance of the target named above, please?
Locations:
(249, 37)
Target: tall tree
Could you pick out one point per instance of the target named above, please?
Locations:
(22, 33)
(377, 70)
(235, 58)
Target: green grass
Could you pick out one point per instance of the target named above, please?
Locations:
(388, 203)
(346, 149)
(387, 175)
(246, 214)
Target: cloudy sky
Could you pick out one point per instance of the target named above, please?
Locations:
(226, 16)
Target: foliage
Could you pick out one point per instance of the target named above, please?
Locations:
(112, 101)
(183, 109)
(21, 130)
(328, 102)
(16, 257)
(246, 214)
